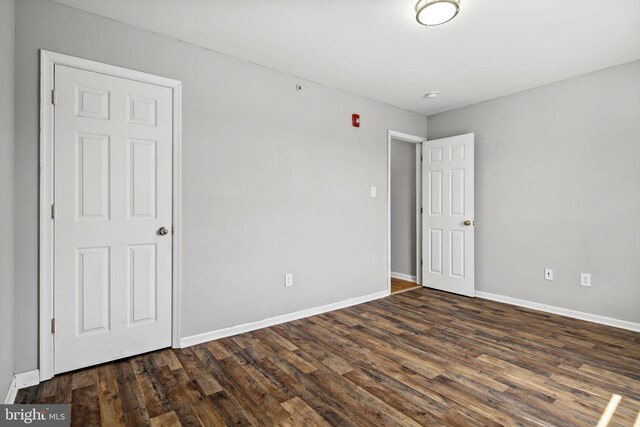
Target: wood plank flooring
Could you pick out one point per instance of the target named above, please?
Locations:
(421, 357)
(398, 285)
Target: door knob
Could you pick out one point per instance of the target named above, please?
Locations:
(163, 231)
(467, 223)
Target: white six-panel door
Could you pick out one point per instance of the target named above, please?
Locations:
(113, 195)
(448, 212)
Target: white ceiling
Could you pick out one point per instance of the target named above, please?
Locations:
(374, 48)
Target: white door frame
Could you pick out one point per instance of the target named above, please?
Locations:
(401, 136)
(46, 230)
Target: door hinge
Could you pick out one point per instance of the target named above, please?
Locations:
(53, 326)
(420, 158)
(54, 96)
(53, 211)
(421, 210)
(421, 262)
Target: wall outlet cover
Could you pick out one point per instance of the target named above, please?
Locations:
(585, 280)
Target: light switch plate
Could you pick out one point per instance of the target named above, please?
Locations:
(548, 274)
(374, 192)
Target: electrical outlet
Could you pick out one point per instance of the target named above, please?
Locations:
(288, 279)
(585, 279)
(548, 274)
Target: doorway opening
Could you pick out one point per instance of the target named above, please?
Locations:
(404, 211)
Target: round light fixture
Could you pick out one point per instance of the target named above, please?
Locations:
(436, 12)
(432, 95)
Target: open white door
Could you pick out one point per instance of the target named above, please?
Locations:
(113, 218)
(448, 214)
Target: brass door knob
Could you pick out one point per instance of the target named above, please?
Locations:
(163, 231)
(467, 223)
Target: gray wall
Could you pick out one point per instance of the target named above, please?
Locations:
(275, 181)
(558, 185)
(7, 31)
(403, 207)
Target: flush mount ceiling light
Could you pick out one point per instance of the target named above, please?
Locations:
(436, 12)
(432, 95)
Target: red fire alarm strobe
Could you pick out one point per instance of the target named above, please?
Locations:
(355, 120)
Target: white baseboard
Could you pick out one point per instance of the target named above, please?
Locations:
(247, 327)
(402, 276)
(11, 393)
(22, 380)
(622, 324)
(27, 379)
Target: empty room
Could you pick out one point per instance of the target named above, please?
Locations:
(320, 213)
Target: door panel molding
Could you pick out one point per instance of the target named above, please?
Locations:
(48, 61)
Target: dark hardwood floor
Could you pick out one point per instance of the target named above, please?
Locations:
(421, 357)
